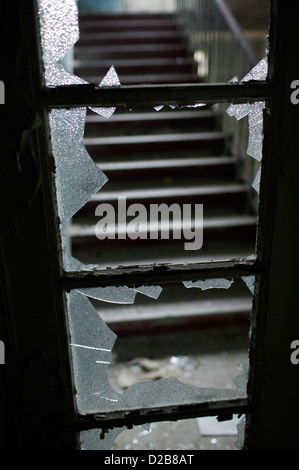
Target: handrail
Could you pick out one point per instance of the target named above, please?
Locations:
(213, 31)
(223, 52)
(237, 31)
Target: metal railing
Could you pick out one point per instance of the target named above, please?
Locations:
(214, 33)
(223, 54)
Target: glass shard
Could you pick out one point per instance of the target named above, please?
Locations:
(256, 137)
(91, 344)
(209, 284)
(250, 282)
(59, 30)
(94, 439)
(241, 426)
(150, 291)
(255, 113)
(110, 80)
(257, 181)
(77, 176)
(119, 295)
(259, 72)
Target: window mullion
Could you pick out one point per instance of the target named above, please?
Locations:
(156, 274)
(129, 418)
(153, 95)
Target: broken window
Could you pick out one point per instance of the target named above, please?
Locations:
(101, 292)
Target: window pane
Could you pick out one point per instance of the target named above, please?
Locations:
(175, 346)
(171, 42)
(169, 186)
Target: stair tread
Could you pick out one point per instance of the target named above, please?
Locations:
(93, 63)
(166, 163)
(149, 193)
(82, 230)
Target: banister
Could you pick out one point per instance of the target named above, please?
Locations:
(237, 31)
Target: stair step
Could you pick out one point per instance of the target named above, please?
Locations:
(128, 24)
(122, 250)
(130, 51)
(173, 314)
(228, 222)
(95, 16)
(131, 37)
(215, 199)
(137, 66)
(203, 167)
(216, 248)
(148, 196)
(144, 144)
(160, 122)
(161, 79)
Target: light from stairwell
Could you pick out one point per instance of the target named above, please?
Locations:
(160, 221)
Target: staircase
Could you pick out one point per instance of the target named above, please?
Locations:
(168, 156)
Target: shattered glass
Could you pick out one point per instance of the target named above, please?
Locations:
(110, 80)
(92, 342)
(210, 284)
(77, 177)
(254, 111)
(59, 29)
(188, 434)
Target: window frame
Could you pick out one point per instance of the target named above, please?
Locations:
(275, 93)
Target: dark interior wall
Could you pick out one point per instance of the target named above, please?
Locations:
(36, 410)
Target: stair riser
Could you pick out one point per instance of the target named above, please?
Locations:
(225, 172)
(169, 325)
(108, 127)
(153, 79)
(235, 200)
(139, 69)
(130, 25)
(102, 40)
(207, 147)
(91, 17)
(231, 234)
(99, 53)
